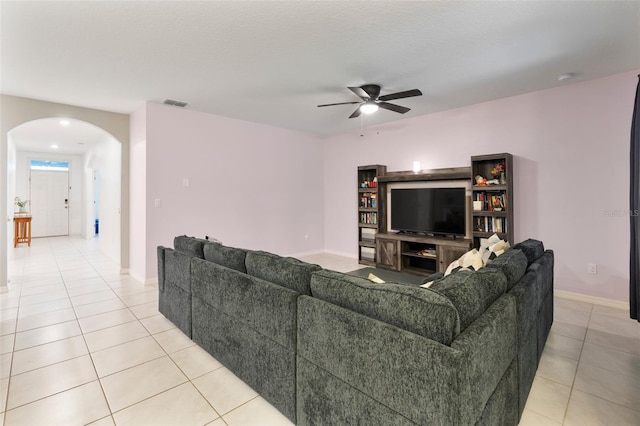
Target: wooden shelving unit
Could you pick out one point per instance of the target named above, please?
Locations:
(369, 211)
(418, 254)
(495, 211)
(401, 252)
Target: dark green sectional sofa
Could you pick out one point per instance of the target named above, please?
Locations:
(328, 348)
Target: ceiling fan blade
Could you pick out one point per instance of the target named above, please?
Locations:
(356, 113)
(339, 103)
(359, 92)
(393, 107)
(400, 95)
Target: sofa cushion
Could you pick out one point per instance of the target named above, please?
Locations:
(230, 257)
(533, 249)
(285, 271)
(189, 245)
(513, 264)
(471, 292)
(177, 269)
(267, 308)
(415, 309)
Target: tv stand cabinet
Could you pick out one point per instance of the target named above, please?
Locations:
(418, 254)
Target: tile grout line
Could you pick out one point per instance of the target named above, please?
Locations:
(15, 333)
(88, 351)
(573, 383)
(189, 380)
(138, 320)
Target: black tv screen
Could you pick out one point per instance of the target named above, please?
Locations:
(438, 211)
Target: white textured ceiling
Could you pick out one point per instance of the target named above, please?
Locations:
(273, 62)
(75, 138)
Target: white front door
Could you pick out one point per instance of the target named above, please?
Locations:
(49, 203)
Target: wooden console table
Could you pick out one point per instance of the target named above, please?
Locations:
(22, 230)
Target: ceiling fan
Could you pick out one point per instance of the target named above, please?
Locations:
(371, 100)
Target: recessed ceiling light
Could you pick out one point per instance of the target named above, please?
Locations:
(64, 122)
(54, 146)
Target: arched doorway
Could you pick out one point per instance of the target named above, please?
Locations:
(16, 111)
(56, 166)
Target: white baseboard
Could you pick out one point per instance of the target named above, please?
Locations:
(306, 253)
(339, 253)
(151, 282)
(333, 252)
(592, 299)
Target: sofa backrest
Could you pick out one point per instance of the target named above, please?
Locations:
(177, 269)
(189, 245)
(543, 267)
(285, 271)
(267, 308)
(531, 248)
(512, 263)
(418, 310)
(471, 292)
(230, 257)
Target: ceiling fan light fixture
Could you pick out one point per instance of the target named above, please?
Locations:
(368, 107)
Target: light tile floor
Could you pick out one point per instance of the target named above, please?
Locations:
(82, 344)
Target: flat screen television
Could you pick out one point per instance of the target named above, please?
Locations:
(437, 211)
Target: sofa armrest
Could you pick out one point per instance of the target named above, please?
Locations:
(160, 252)
(489, 346)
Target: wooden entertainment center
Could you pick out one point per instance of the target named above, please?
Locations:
(418, 254)
(425, 254)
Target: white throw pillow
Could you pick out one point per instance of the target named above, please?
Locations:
(472, 259)
(375, 279)
(452, 266)
(492, 247)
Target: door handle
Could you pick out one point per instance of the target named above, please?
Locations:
(66, 203)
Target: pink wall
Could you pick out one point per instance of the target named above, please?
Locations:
(250, 185)
(138, 195)
(571, 148)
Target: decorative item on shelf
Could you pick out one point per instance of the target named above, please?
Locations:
(22, 204)
(480, 181)
(428, 252)
(369, 183)
(499, 173)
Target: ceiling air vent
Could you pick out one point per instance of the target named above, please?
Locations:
(175, 103)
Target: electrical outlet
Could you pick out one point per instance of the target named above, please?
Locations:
(592, 268)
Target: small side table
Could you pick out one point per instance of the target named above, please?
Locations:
(21, 229)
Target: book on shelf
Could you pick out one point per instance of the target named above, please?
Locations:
(369, 218)
(491, 224)
(368, 201)
(491, 202)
